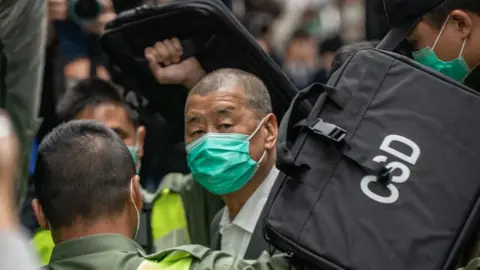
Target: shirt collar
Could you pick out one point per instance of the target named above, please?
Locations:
(248, 216)
(93, 244)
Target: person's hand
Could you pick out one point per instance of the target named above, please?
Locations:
(164, 62)
(57, 9)
(9, 154)
(8, 150)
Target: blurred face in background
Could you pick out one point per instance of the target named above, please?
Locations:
(301, 60)
(116, 118)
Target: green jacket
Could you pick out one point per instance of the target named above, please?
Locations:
(116, 252)
(181, 214)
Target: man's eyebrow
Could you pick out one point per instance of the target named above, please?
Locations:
(225, 110)
(191, 118)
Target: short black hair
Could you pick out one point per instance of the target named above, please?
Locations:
(258, 97)
(82, 172)
(331, 44)
(440, 13)
(93, 92)
(300, 34)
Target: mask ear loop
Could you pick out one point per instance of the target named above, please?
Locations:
(136, 209)
(258, 127)
(253, 134)
(463, 47)
(261, 159)
(441, 32)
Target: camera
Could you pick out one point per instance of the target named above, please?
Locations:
(84, 11)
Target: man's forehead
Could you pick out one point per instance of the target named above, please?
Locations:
(112, 115)
(228, 97)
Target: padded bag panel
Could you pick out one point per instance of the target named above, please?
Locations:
(207, 30)
(424, 126)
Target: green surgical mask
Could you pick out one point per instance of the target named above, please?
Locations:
(221, 162)
(133, 151)
(456, 69)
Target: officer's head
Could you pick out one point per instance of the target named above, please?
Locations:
(85, 182)
(99, 100)
(444, 34)
(452, 29)
(230, 131)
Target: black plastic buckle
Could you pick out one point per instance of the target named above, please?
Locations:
(331, 131)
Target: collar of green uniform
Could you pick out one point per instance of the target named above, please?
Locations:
(93, 244)
(172, 182)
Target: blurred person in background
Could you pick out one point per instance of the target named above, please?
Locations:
(22, 40)
(301, 62)
(298, 14)
(328, 50)
(259, 26)
(15, 253)
(77, 24)
(99, 100)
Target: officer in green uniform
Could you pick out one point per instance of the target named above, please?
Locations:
(89, 196)
(99, 100)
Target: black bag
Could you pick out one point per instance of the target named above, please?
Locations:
(207, 30)
(382, 174)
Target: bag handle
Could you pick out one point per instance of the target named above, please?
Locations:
(285, 159)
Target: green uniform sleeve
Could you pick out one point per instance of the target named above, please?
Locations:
(201, 258)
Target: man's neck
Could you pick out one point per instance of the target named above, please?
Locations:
(83, 229)
(235, 201)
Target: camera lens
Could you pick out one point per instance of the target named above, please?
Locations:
(86, 10)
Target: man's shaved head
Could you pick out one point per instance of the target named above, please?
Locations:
(256, 92)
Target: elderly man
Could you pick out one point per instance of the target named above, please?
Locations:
(230, 135)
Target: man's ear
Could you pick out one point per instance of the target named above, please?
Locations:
(142, 132)
(135, 192)
(463, 22)
(38, 211)
(271, 125)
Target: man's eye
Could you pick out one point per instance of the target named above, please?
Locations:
(197, 133)
(225, 126)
